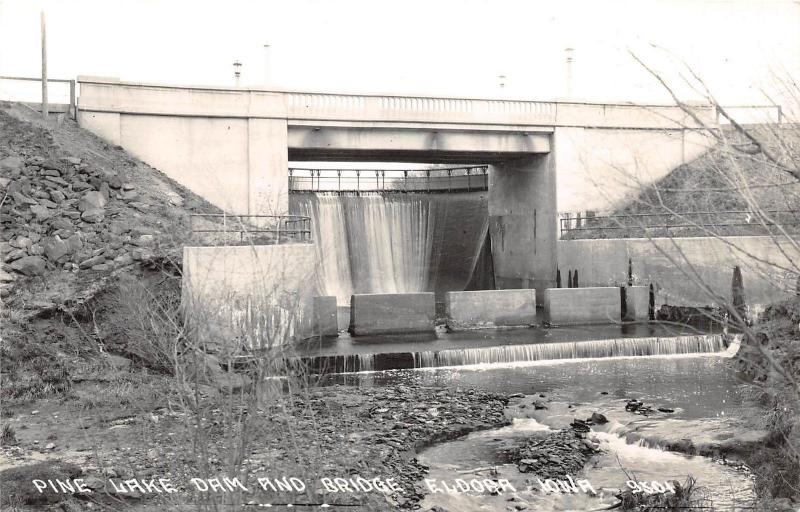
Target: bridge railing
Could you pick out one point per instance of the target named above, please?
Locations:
(679, 224)
(227, 229)
(15, 88)
(452, 179)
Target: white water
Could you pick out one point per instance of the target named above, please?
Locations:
(623, 347)
(394, 243)
(475, 456)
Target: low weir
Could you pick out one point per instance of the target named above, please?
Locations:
(521, 353)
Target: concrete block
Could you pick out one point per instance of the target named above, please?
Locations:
(326, 322)
(392, 313)
(490, 308)
(637, 303)
(568, 306)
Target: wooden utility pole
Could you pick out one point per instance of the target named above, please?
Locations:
(45, 106)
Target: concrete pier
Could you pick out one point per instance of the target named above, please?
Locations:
(490, 308)
(392, 313)
(326, 322)
(570, 306)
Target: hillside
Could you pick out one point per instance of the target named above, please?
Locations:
(75, 210)
(704, 191)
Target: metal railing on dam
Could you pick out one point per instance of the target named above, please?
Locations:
(227, 229)
(451, 179)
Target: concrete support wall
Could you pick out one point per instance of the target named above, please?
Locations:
(570, 306)
(326, 318)
(490, 308)
(522, 223)
(249, 296)
(768, 266)
(392, 313)
(637, 303)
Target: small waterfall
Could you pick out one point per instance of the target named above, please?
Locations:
(693, 344)
(355, 363)
(394, 243)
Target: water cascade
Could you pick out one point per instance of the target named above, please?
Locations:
(394, 243)
(694, 344)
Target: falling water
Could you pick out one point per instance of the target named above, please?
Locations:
(695, 344)
(394, 243)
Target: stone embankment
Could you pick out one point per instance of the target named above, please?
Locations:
(73, 203)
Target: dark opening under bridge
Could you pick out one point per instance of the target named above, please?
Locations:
(441, 180)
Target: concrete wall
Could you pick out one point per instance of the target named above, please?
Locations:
(257, 296)
(229, 146)
(490, 308)
(768, 266)
(326, 317)
(392, 313)
(571, 306)
(522, 225)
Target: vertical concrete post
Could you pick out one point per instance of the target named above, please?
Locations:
(268, 167)
(523, 223)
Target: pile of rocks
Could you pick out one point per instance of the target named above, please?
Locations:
(66, 214)
(556, 455)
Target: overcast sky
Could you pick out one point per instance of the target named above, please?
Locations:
(456, 47)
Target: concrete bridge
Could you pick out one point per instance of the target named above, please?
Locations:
(233, 147)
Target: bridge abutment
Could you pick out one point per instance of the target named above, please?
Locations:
(522, 223)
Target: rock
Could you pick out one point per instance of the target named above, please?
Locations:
(105, 191)
(50, 446)
(92, 201)
(57, 196)
(29, 265)
(11, 164)
(5, 277)
(41, 212)
(598, 419)
(4, 182)
(101, 267)
(55, 248)
(72, 160)
(36, 250)
(61, 224)
(115, 182)
(15, 255)
(665, 409)
(56, 180)
(129, 195)
(48, 203)
(94, 216)
(21, 199)
(94, 260)
(52, 164)
(21, 242)
(74, 243)
(128, 186)
(142, 207)
(79, 186)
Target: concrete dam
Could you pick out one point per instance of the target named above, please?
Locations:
(374, 242)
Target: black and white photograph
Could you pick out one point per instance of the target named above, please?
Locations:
(382, 255)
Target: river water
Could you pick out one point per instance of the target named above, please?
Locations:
(702, 390)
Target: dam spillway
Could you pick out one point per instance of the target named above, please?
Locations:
(378, 242)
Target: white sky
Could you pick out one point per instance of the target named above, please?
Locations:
(456, 47)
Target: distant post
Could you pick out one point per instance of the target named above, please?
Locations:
(45, 107)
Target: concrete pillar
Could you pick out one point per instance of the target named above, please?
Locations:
(268, 166)
(523, 223)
